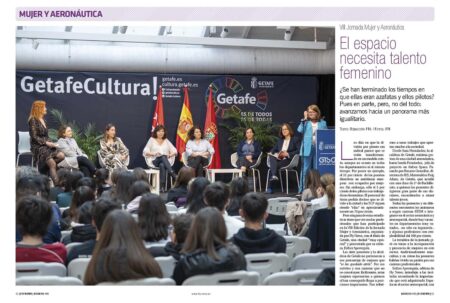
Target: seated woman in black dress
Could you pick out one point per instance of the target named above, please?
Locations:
(248, 150)
(282, 153)
(44, 151)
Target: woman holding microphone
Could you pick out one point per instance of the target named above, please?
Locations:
(308, 127)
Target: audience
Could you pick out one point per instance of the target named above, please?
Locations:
(178, 192)
(136, 191)
(217, 195)
(120, 254)
(33, 215)
(312, 184)
(101, 208)
(83, 230)
(122, 189)
(238, 188)
(194, 200)
(101, 178)
(64, 199)
(153, 220)
(62, 174)
(253, 238)
(206, 250)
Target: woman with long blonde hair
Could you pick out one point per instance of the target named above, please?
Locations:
(44, 151)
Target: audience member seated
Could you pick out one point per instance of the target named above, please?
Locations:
(26, 171)
(62, 174)
(194, 200)
(206, 250)
(33, 215)
(178, 233)
(38, 185)
(326, 277)
(81, 195)
(153, 220)
(321, 229)
(64, 199)
(253, 238)
(114, 176)
(178, 192)
(88, 181)
(122, 189)
(84, 230)
(312, 184)
(140, 174)
(101, 208)
(322, 200)
(238, 188)
(101, 178)
(217, 195)
(120, 254)
(136, 191)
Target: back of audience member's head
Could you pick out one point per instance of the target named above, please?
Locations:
(115, 174)
(181, 225)
(33, 185)
(153, 218)
(238, 188)
(87, 181)
(312, 181)
(254, 207)
(33, 216)
(101, 177)
(140, 174)
(326, 179)
(26, 171)
(138, 189)
(80, 195)
(72, 180)
(101, 208)
(63, 174)
(122, 190)
(326, 277)
(120, 253)
(208, 230)
(216, 195)
(185, 175)
(194, 199)
(330, 190)
(85, 213)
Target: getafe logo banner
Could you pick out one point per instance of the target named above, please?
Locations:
(129, 99)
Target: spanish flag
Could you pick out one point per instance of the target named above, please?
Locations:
(212, 132)
(184, 125)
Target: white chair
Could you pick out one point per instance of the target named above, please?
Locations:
(72, 245)
(184, 159)
(298, 277)
(152, 166)
(167, 265)
(65, 233)
(171, 207)
(277, 211)
(24, 269)
(267, 263)
(290, 168)
(296, 246)
(318, 260)
(146, 281)
(254, 168)
(241, 277)
(77, 268)
(48, 280)
(24, 146)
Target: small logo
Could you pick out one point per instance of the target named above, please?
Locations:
(254, 83)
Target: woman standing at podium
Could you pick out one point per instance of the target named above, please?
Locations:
(308, 127)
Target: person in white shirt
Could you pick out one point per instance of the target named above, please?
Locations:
(198, 151)
(217, 195)
(161, 153)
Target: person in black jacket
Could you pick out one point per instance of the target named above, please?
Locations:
(248, 150)
(179, 189)
(206, 250)
(282, 153)
(253, 238)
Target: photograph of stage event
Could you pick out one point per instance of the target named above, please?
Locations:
(175, 155)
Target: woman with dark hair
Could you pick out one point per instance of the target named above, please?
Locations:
(248, 150)
(74, 156)
(153, 219)
(64, 199)
(282, 153)
(101, 178)
(112, 150)
(45, 152)
(195, 195)
(81, 194)
(312, 121)
(178, 192)
(119, 254)
(160, 151)
(33, 215)
(238, 189)
(83, 230)
(312, 185)
(121, 191)
(198, 150)
(136, 191)
(206, 250)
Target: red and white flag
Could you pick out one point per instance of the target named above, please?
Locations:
(158, 115)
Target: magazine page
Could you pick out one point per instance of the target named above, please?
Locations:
(168, 150)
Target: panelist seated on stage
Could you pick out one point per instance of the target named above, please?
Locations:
(248, 150)
(161, 153)
(112, 150)
(283, 152)
(198, 150)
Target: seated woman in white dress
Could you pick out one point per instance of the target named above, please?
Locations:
(198, 150)
(161, 153)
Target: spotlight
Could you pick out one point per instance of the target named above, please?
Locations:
(224, 32)
(287, 35)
